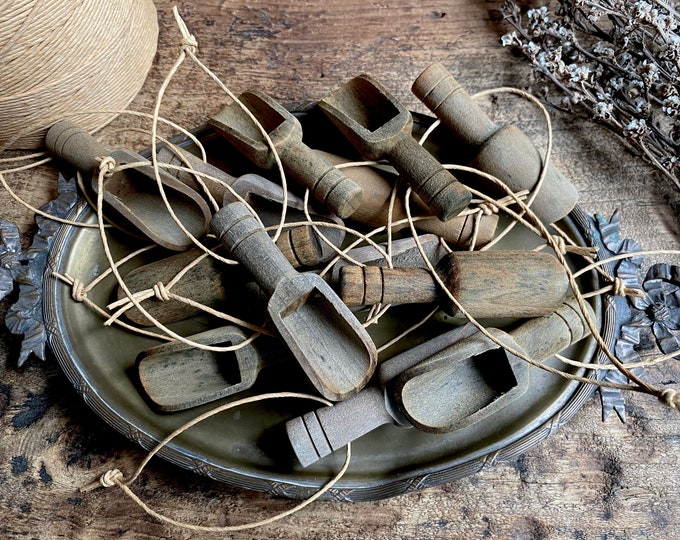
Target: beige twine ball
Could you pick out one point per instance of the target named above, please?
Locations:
(60, 57)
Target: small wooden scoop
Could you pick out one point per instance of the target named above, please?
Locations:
(505, 152)
(450, 382)
(375, 207)
(334, 350)
(327, 184)
(177, 376)
(438, 397)
(380, 127)
(320, 432)
(132, 199)
(486, 283)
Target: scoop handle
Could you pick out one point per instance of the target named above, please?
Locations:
(74, 145)
(247, 241)
(328, 185)
(437, 187)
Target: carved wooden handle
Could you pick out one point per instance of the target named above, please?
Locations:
(74, 145)
(437, 187)
(245, 238)
(368, 285)
(486, 283)
(330, 186)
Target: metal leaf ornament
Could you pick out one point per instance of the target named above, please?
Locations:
(25, 317)
(627, 344)
(659, 310)
(10, 256)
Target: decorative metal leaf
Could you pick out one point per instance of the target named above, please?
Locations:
(25, 316)
(629, 322)
(10, 256)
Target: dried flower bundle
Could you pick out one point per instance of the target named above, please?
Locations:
(615, 61)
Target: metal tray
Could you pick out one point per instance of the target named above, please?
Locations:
(247, 447)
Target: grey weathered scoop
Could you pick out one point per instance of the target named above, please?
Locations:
(333, 348)
(131, 197)
(380, 127)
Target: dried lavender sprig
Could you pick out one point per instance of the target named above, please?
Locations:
(616, 61)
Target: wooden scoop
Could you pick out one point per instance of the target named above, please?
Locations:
(505, 152)
(431, 397)
(132, 200)
(450, 382)
(177, 376)
(334, 350)
(486, 283)
(380, 127)
(327, 184)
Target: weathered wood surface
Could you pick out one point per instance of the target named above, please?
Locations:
(487, 284)
(590, 480)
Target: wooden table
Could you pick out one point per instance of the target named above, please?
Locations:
(589, 480)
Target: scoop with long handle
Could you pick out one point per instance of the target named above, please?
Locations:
(448, 383)
(131, 197)
(333, 348)
(328, 185)
(379, 127)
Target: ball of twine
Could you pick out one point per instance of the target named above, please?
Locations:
(61, 57)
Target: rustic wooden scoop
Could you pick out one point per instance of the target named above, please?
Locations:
(486, 283)
(177, 376)
(375, 207)
(431, 397)
(450, 382)
(320, 432)
(503, 151)
(380, 127)
(327, 184)
(131, 197)
(334, 350)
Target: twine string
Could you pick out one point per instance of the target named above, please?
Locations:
(114, 477)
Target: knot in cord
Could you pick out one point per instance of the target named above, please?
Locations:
(487, 208)
(107, 164)
(189, 44)
(111, 478)
(619, 288)
(161, 292)
(559, 244)
(670, 397)
(78, 290)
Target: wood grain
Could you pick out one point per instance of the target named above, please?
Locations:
(590, 480)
